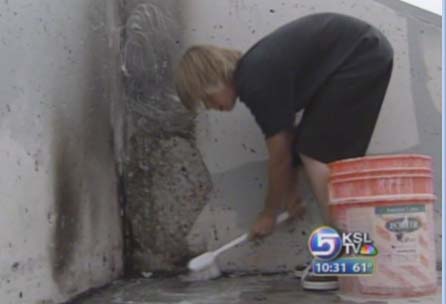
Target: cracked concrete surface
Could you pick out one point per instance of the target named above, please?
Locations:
(167, 182)
(277, 289)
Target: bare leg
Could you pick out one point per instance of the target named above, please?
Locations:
(318, 174)
(293, 201)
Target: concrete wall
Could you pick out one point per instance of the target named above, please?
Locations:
(232, 145)
(173, 159)
(60, 231)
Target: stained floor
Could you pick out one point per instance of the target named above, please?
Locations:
(278, 289)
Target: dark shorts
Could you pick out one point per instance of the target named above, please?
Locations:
(339, 121)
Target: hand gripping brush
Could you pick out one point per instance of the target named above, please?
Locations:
(205, 267)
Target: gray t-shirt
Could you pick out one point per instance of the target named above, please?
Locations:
(279, 75)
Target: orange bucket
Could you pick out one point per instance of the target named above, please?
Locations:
(364, 165)
(368, 193)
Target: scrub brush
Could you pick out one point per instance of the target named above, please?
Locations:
(205, 267)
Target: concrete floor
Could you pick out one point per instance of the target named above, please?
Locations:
(278, 289)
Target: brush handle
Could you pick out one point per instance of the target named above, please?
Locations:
(244, 237)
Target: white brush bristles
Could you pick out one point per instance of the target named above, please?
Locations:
(209, 273)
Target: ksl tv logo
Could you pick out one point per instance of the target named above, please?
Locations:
(325, 243)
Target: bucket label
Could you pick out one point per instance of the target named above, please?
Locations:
(399, 228)
(404, 235)
(404, 224)
(400, 209)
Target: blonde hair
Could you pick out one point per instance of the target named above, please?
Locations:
(202, 70)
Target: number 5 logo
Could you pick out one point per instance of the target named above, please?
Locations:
(325, 243)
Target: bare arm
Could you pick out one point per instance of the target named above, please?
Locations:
(280, 177)
(280, 170)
